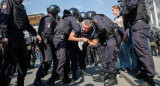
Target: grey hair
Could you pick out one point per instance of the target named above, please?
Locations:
(87, 22)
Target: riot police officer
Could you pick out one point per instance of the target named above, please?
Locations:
(46, 28)
(106, 32)
(14, 21)
(72, 48)
(60, 38)
(136, 18)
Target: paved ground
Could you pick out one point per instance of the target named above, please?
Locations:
(157, 63)
(82, 81)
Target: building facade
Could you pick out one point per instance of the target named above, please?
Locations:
(153, 8)
(34, 20)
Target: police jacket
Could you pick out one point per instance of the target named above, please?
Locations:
(67, 24)
(14, 19)
(73, 23)
(46, 26)
(132, 11)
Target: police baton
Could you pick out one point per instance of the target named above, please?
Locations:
(13, 58)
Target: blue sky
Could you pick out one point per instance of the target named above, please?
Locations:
(99, 6)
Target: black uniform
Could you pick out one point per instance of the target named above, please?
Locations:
(140, 32)
(46, 28)
(105, 32)
(61, 33)
(136, 18)
(108, 64)
(14, 22)
(72, 47)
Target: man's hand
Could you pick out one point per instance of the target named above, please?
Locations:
(85, 40)
(125, 37)
(39, 38)
(5, 41)
(91, 44)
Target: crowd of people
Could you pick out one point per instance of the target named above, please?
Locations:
(75, 40)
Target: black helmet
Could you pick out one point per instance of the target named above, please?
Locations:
(90, 14)
(81, 16)
(74, 12)
(58, 18)
(53, 9)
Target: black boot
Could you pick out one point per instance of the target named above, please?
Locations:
(148, 81)
(66, 79)
(20, 81)
(50, 82)
(83, 73)
(74, 75)
(112, 80)
(58, 77)
(100, 77)
(37, 82)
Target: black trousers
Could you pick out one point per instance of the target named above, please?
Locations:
(140, 34)
(72, 54)
(8, 65)
(47, 55)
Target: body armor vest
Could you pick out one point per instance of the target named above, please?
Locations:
(108, 23)
(41, 31)
(62, 27)
(142, 11)
(41, 26)
(139, 13)
(20, 15)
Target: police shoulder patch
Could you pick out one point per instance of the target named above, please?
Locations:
(48, 25)
(4, 5)
(95, 20)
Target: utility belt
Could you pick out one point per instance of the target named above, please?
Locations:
(46, 40)
(60, 34)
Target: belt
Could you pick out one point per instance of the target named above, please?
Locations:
(60, 32)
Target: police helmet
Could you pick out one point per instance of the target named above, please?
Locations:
(74, 12)
(81, 16)
(53, 9)
(90, 14)
(58, 18)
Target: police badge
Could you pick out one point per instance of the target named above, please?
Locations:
(4, 5)
(48, 25)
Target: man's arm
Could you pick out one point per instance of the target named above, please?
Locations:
(93, 42)
(72, 37)
(132, 4)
